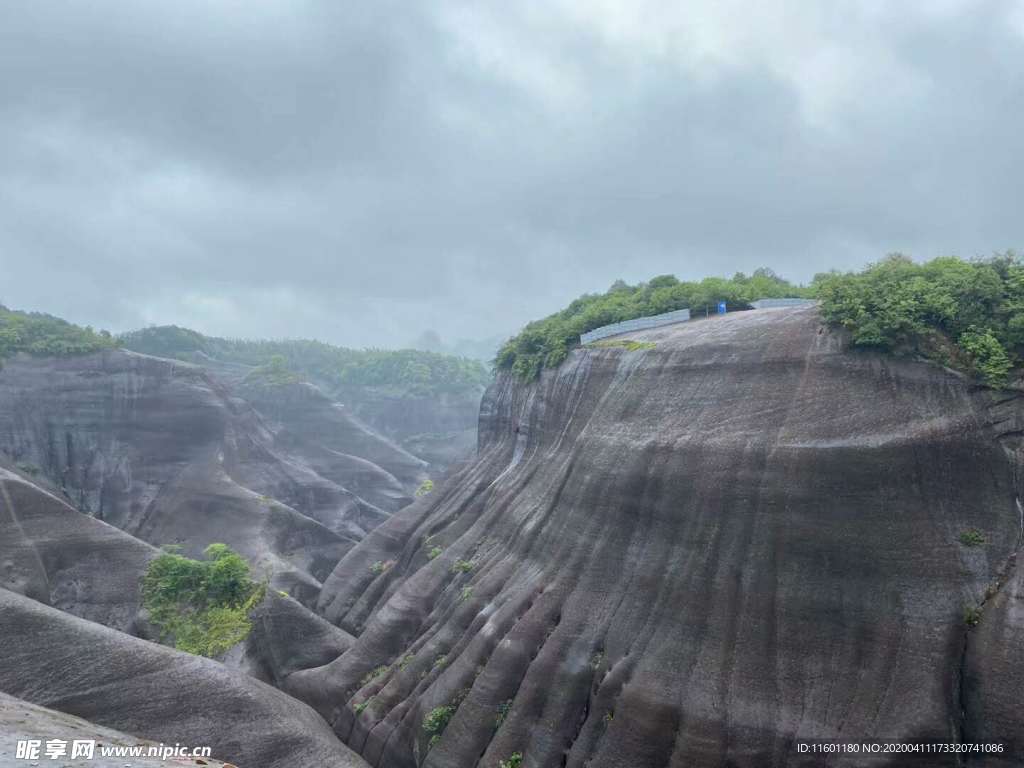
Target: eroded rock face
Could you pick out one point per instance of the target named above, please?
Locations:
(58, 661)
(308, 423)
(58, 556)
(165, 452)
(691, 555)
(286, 637)
(440, 429)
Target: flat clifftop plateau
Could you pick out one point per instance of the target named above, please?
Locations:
(694, 554)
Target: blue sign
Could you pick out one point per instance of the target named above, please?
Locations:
(721, 307)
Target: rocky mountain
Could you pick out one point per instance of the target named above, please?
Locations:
(169, 454)
(330, 438)
(425, 402)
(700, 549)
(63, 574)
(106, 454)
(696, 551)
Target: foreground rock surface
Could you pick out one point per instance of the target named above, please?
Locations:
(65, 663)
(691, 555)
(21, 721)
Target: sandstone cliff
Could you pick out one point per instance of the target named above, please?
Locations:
(168, 454)
(694, 555)
(61, 557)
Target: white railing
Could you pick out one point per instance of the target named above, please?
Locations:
(678, 316)
(772, 303)
(636, 324)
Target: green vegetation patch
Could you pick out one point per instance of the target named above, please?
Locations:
(372, 675)
(45, 335)
(964, 314)
(972, 538)
(437, 720)
(201, 606)
(972, 616)
(273, 373)
(546, 343)
(515, 760)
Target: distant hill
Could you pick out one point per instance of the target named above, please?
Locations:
(427, 402)
(338, 369)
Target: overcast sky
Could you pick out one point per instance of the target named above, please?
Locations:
(360, 172)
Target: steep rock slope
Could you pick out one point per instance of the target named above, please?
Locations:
(425, 402)
(164, 452)
(285, 637)
(62, 662)
(440, 428)
(325, 434)
(691, 555)
(59, 556)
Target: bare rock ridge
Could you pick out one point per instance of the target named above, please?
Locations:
(305, 421)
(440, 429)
(61, 662)
(101, 453)
(286, 637)
(694, 555)
(169, 454)
(61, 557)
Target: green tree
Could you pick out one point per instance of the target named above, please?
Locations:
(989, 359)
(201, 606)
(44, 335)
(897, 304)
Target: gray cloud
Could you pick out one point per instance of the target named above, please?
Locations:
(358, 174)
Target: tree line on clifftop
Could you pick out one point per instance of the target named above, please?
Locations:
(341, 370)
(546, 343)
(45, 335)
(404, 372)
(964, 314)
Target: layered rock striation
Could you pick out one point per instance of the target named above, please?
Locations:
(694, 554)
(169, 454)
(61, 557)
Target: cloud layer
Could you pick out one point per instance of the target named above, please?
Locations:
(359, 173)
